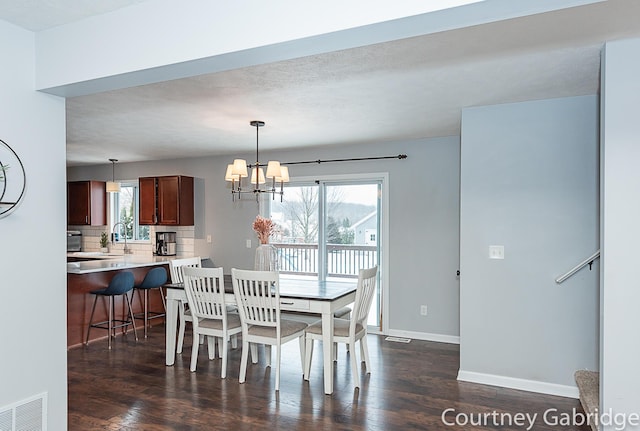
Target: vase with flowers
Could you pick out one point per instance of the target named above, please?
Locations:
(266, 254)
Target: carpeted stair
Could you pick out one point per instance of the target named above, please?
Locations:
(589, 386)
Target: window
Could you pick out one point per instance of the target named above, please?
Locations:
(329, 229)
(124, 209)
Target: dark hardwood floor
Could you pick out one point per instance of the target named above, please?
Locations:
(130, 388)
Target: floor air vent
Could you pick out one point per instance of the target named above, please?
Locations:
(398, 339)
(25, 415)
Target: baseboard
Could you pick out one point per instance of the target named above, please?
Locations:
(425, 336)
(521, 384)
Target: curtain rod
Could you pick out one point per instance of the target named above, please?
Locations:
(399, 157)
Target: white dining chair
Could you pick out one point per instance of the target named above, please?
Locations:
(348, 331)
(205, 293)
(257, 296)
(176, 267)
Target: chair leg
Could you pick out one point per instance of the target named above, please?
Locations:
(278, 349)
(194, 350)
(146, 311)
(164, 302)
(133, 320)
(302, 349)
(254, 353)
(234, 341)
(222, 342)
(95, 301)
(267, 354)
(335, 352)
(223, 366)
(110, 323)
(364, 351)
(354, 368)
(308, 353)
(211, 346)
(244, 359)
(181, 328)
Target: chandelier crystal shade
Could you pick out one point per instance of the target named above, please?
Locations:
(113, 186)
(239, 169)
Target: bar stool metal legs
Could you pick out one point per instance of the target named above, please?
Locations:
(154, 279)
(120, 285)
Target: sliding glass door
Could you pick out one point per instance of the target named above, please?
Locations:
(330, 230)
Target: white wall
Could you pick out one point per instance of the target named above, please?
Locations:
(529, 182)
(620, 229)
(32, 238)
(423, 248)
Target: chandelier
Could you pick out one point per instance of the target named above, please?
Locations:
(275, 172)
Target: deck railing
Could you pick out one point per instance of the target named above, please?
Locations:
(342, 260)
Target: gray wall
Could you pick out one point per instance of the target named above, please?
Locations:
(33, 318)
(530, 183)
(620, 295)
(423, 216)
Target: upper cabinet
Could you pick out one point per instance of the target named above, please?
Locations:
(86, 203)
(147, 209)
(166, 200)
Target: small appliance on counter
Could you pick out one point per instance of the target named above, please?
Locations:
(74, 240)
(165, 243)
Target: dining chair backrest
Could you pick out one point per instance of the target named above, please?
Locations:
(257, 295)
(176, 267)
(205, 292)
(365, 292)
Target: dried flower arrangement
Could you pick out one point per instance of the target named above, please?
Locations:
(264, 228)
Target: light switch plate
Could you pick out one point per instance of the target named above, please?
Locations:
(496, 252)
(209, 239)
(248, 243)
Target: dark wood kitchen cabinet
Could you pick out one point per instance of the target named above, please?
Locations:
(86, 203)
(166, 200)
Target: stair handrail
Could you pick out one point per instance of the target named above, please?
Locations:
(578, 267)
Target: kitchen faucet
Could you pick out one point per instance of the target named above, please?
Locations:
(127, 250)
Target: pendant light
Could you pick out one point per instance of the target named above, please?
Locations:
(113, 186)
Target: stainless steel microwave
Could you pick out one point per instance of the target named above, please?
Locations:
(74, 240)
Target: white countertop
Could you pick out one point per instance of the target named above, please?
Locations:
(110, 262)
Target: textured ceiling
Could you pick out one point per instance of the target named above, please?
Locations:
(401, 90)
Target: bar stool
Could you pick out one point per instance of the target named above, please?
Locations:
(120, 285)
(154, 279)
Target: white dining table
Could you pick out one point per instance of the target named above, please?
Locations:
(297, 295)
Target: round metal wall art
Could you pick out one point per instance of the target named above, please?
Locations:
(13, 180)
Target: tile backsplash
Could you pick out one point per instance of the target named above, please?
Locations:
(185, 242)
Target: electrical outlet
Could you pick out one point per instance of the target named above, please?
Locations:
(248, 243)
(209, 239)
(423, 310)
(496, 252)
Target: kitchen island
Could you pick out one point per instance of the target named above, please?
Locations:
(95, 271)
